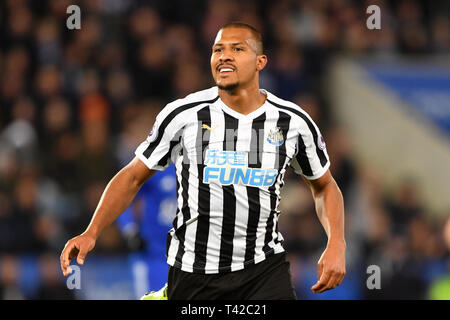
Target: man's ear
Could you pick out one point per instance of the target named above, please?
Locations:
(261, 61)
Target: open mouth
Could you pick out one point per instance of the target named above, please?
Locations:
(225, 69)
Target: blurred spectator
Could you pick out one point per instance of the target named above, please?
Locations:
(119, 88)
(447, 233)
(401, 273)
(217, 14)
(12, 86)
(19, 222)
(62, 163)
(440, 286)
(136, 121)
(19, 23)
(144, 23)
(48, 81)
(343, 166)
(180, 42)
(287, 69)
(10, 278)
(188, 78)
(48, 43)
(440, 29)
(53, 285)
(153, 72)
(96, 161)
(404, 205)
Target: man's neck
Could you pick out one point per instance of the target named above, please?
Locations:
(243, 100)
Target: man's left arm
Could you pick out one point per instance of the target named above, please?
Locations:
(330, 210)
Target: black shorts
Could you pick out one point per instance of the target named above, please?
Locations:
(267, 280)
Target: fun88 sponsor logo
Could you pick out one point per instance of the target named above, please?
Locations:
(230, 167)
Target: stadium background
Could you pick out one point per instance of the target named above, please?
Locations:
(76, 103)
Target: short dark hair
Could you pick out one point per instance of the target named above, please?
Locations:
(256, 34)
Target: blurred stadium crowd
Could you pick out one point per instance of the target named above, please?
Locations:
(76, 103)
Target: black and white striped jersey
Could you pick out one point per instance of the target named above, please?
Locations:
(230, 170)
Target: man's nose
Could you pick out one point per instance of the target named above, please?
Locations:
(225, 56)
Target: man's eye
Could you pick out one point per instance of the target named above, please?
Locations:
(238, 49)
(217, 50)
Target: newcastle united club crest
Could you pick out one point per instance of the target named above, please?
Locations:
(275, 136)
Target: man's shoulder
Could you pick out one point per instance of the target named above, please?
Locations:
(182, 105)
(198, 97)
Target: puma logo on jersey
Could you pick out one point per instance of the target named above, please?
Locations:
(205, 126)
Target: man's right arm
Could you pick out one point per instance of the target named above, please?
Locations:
(118, 195)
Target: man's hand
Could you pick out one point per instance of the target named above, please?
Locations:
(76, 247)
(331, 268)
